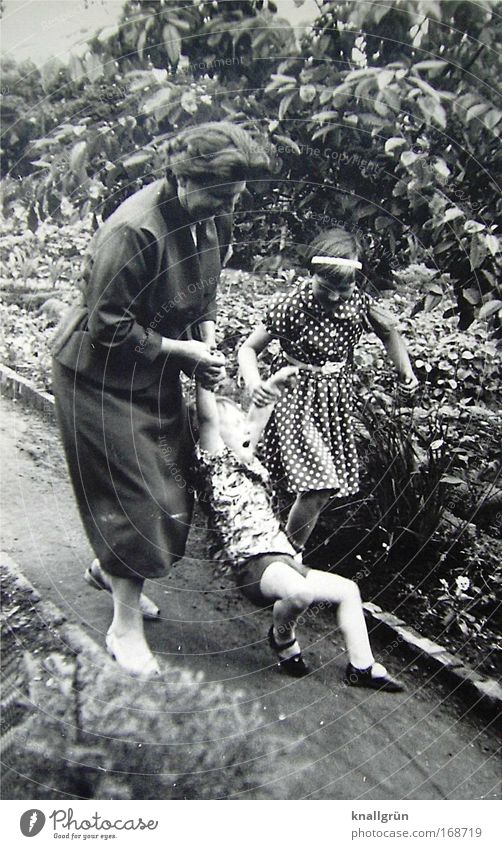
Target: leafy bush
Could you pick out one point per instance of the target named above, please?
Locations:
(91, 737)
(381, 118)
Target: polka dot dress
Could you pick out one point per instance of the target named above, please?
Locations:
(310, 440)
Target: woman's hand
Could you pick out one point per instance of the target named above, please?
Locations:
(196, 360)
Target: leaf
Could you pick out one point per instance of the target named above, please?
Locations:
(490, 308)
(393, 143)
(279, 80)
(476, 111)
(285, 140)
(492, 243)
(32, 219)
(285, 104)
(78, 157)
(472, 296)
(408, 157)
(326, 115)
(93, 67)
(308, 93)
(441, 167)
(492, 118)
(452, 213)
(160, 104)
(436, 444)
(478, 251)
(430, 65)
(135, 164)
(384, 78)
(473, 226)
(75, 68)
(439, 115)
(172, 43)
(451, 479)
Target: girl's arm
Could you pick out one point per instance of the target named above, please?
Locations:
(207, 415)
(395, 346)
(257, 416)
(261, 394)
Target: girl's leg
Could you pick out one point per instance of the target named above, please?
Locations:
(292, 597)
(362, 671)
(304, 515)
(125, 639)
(325, 586)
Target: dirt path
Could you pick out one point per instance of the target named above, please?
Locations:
(345, 744)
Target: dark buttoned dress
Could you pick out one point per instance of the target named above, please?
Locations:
(119, 402)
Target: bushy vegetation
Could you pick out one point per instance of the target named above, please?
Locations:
(383, 117)
(89, 732)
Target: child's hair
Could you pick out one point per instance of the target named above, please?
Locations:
(334, 243)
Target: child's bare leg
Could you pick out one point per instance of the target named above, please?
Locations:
(304, 515)
(281, 582)
(325, 586)
(125, 639)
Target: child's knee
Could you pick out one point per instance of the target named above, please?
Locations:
(300, 599)
(353, 592)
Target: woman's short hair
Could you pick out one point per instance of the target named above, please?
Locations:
(217, 150)
(336, 242)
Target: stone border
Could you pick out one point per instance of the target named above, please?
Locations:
(73, 635)
(19, 388)
(481, 693)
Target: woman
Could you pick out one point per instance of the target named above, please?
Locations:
(148, 313)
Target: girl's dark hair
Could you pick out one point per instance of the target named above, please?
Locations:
(336, 242)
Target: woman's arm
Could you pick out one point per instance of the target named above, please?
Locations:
(208, 420)
(261, 394)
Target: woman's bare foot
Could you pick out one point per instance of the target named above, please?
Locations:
(133, 655)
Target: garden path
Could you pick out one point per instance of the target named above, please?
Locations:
(344, 743)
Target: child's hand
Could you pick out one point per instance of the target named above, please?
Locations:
(269, 391)
(283, 379)
(263, 395)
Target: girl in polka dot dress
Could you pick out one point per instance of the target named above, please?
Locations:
(310, 443)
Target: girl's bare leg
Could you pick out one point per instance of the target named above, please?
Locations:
(289, 588)
(304, 515)
(125, 639)
(326, 586)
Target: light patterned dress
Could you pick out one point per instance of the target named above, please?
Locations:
(310, 442)
(239, 503)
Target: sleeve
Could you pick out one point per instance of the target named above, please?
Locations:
(118, 276)
(278, 318)
(377, 318)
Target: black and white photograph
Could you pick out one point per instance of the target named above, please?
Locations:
(251, 429)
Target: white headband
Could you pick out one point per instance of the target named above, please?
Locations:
(336, 260)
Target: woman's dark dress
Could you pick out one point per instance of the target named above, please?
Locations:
(119, 403)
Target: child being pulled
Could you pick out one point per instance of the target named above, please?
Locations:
(250, 540)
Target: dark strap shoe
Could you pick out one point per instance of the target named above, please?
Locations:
(295, 665)
(363, 678)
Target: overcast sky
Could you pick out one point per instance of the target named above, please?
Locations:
(39, 29)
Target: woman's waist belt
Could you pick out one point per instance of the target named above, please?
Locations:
(327, 369)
